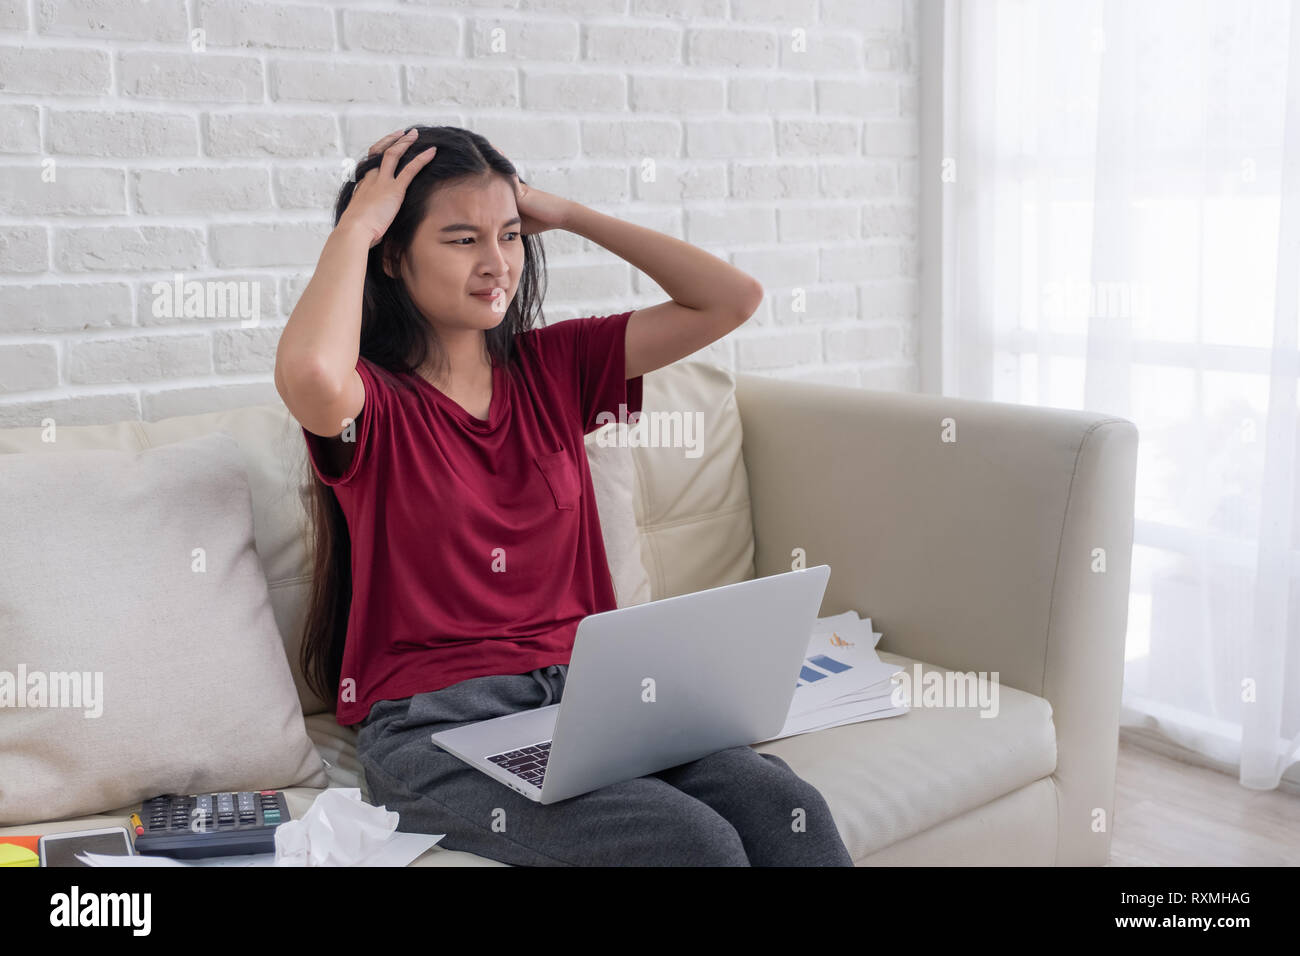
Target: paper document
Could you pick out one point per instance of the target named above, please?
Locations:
(843, 680)
(400, 850)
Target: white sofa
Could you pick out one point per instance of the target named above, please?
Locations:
(977, 554)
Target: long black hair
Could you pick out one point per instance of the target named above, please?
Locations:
(395, 336)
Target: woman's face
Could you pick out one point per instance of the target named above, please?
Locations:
(469, 241)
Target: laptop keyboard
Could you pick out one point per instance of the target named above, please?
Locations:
(527, 763)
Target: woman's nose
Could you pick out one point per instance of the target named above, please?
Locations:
(496, 262)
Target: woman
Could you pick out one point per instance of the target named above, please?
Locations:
(456, 539)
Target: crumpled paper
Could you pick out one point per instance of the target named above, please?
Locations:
(339, 829)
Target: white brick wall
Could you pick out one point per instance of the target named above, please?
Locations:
(146, 140)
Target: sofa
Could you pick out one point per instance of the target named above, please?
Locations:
(979, 537)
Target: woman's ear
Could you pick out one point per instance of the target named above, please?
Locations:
(390, 266)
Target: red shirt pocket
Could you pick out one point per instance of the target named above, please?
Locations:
(561, 475)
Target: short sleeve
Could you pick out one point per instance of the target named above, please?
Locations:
(600, 354)
(376, 401)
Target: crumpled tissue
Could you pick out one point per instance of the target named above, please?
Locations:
(340, 829)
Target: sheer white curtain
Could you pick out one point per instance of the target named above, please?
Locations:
(1126, 205)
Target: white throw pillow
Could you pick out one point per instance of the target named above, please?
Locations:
(133, 577)
(613, 478)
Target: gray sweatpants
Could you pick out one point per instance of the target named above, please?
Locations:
(736, 807)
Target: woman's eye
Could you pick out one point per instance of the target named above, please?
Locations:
(470, 238)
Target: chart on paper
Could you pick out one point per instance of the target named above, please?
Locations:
(841, 680)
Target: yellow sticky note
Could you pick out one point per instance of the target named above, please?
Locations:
(13, 855)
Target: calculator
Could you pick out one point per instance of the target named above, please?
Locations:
(199, 825)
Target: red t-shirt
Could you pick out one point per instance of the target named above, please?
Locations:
(476, 545)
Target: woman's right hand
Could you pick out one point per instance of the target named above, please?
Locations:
(377, 197)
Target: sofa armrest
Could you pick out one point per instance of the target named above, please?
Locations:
(978, 536)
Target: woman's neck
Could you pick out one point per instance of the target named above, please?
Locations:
(467, 361)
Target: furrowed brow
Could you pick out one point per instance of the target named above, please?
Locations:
(468, 227)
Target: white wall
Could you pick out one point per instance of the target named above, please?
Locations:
(128, 156)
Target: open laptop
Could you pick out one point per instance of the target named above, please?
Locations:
(655, 685)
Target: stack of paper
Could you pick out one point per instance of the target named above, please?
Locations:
(843, 680)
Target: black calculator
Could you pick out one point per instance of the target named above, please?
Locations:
(210, 824)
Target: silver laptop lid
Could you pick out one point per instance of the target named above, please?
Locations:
(655, 685)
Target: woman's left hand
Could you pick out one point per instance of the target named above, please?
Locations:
(539, 210)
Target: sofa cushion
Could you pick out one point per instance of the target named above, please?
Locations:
(271, 446)
(134, 574)
(613, 479)
(887, 780)
(692, 503)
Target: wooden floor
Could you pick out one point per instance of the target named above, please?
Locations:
(1170, 813)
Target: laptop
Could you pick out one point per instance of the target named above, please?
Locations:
(655, 685)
